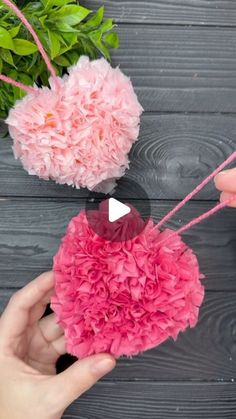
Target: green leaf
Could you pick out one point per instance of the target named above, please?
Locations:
(42, 20)
(4, 24)
(5, 39)
(13, 74)
(73, 56)
(62, 61)
(64, 49)
(69, 38)
(32, 8)
(38, 69)
(103, 49)
(44, 78)
(95, 36)
(25, 79)
(6, 56)
(51, 3)
(87, 48)
(33, 61)
(96, 19)
(1, 65)
(107, 26)
(59, 70)
(14, 31)
(71, 15)
(112, 39)
(43, 36)
(23, 47)
(54, 44)
(64, 27)
(16, 93)
(99, 45)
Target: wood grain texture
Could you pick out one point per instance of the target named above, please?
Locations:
(177, 12)
(174, 153)
(207, 352)
(30, 232)
(180, 69)
(156, 401)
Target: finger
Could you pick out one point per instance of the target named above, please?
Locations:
(226, 195)
(226, 181)
(47, 353)
(59, 345)
(38, 310)
(16, 316)
(78, 378)
(49, 328)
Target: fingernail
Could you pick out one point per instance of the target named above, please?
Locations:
(103, 366)
(225, 195)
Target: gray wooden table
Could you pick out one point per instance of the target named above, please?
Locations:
(181, 56)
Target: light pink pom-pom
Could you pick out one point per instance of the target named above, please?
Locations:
(124, 298)
(80, 133)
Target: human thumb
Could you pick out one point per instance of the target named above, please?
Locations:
(83, 374)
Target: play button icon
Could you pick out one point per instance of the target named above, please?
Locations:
(116, 210)
(120, 215)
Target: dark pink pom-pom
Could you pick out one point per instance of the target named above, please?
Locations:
(124, 297)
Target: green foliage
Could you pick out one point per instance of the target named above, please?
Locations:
(66, 30)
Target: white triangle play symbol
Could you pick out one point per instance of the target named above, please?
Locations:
(116, 210)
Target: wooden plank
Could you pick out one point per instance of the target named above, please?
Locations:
(174, 153)
(30, 232)
(173, 12)
(156, 401)
(181, 69)
(206, 352)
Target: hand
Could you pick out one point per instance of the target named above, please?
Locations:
(29, 348)
(226, 183)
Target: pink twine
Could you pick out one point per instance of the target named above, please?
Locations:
(202, 217)
(23, 19)
(8, 80)
(197, 189)
(207, 214)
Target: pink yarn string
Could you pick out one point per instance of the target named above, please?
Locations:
(23, 19)
(201, 218)
(8, 80)
(196, 190)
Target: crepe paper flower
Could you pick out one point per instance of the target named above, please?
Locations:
(124, 297)
(79, 132)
